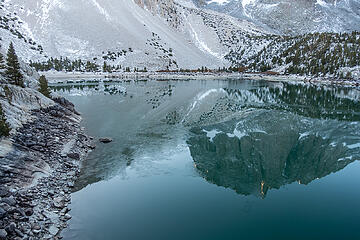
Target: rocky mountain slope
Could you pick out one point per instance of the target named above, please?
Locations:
(292, 17)
(135, 33)
(131, 33)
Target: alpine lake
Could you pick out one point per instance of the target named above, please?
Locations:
(206, 159)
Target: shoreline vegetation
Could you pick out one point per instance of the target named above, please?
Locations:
(81, 77)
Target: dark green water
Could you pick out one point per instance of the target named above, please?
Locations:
(218, 160)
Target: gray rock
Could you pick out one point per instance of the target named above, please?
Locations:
(3, 234)
(11, 227)
(91, 146)
(3, 192)
(53, 230)
(2, 213)
(29, 212)
(59, 202)
(9, 200)
(19, 233)
(75, 156)
(36, 227)
(105, 140)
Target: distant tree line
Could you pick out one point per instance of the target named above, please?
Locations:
(67, 65)
(205, 69)
(316, 54)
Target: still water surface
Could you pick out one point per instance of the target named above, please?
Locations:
(217, 160)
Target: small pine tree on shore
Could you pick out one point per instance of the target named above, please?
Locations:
(2, 62)
(43, 86)
(4, 127)
(13, 73)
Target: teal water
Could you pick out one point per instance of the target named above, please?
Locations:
(217, 160)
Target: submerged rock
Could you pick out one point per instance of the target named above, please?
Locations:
(105, 140)
(91, 146)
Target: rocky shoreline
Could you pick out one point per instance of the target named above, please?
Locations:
(38, 173)
(78, 77)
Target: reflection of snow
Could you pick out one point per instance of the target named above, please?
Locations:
(305, 134)
(202, 97)
(90, 90)
(352, 146)
(212, 133)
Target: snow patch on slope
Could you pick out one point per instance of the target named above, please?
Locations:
(220, 2)
(101, 10)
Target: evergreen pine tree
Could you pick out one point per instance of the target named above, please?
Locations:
(105, 67)
(43, 86)
(2, 62)
(12, 72)
(4, 127)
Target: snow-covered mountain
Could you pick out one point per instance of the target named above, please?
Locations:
(187, 34)
(150, 33)
(292, 17)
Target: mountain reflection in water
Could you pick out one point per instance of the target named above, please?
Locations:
(269, 149)
(283, 134)
(268, 134)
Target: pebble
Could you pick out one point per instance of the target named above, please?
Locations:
(75, 156)
(29, 212)
(53, 230)
(19, 233)
(2, 213)
(3, 234)
(59, 202)
(9, 200)
(3, 192)
(51, 192)
(11, 227)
